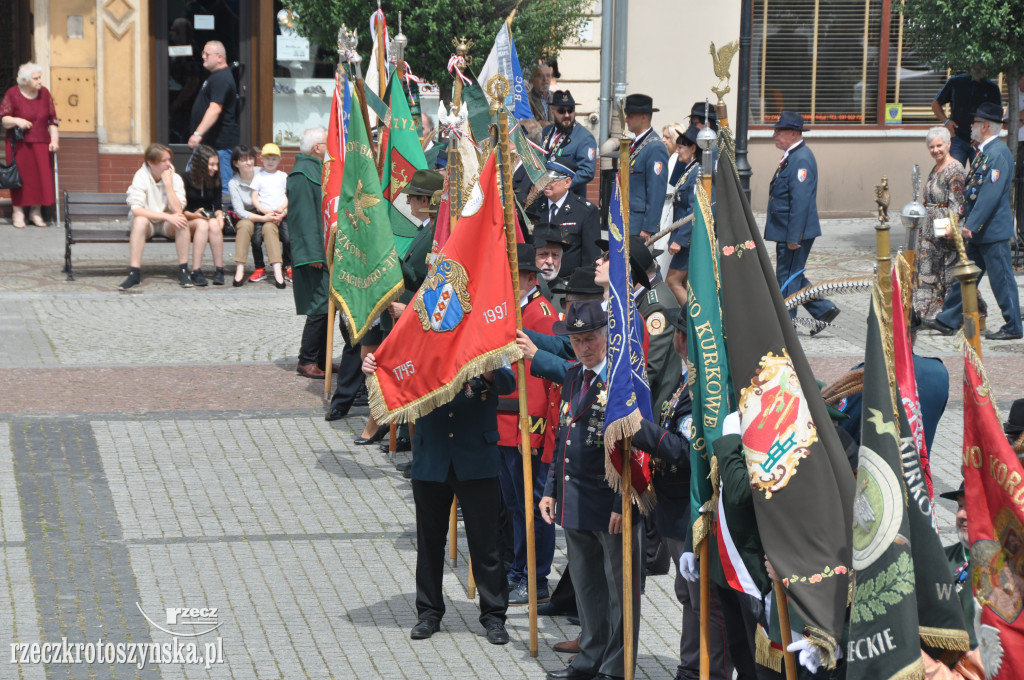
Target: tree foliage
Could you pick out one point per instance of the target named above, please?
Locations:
(540, 28)
(965, 34)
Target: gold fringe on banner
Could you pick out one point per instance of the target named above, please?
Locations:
(489, 361)
(945, 638)
(913, 671)
(846, 385)
(905, 275)
(826, 643)
(888, 348)
(766, 655)
(705, 521)
(346, 314)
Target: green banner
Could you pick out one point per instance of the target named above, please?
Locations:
(403, 157)
(366, 274)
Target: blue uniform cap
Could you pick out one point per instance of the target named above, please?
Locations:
(561, 167)
(790, 120)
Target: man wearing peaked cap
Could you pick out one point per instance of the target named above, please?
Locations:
(565, 138)
(648, 167)
(575, 219)
(793, 213)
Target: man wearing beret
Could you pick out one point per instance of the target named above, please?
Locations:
(987, 228)
(793, 214)
(648, 168)
(565, 138)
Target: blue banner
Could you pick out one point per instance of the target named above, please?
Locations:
(508, 65)
(629, 396)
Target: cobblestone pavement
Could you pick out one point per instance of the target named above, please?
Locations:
(158, 451)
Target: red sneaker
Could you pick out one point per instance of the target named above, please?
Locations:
(258, 275)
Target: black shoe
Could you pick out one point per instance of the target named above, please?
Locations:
(549, 609)
(574, 620)
(521, 595)
(424, 628)
(402, 467)
(238, 284)
(570, 673)
(826, 318)
(183, 278)
(1003, 335)
(362, 397)
(335, 414)
(401, 444)
(218, 276)
(407, 474)
(937, 325)
(496, 633)
(134, 279)
(198, 278)
(377, 436)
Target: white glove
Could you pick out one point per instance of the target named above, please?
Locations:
(810, 656)
(688, 567)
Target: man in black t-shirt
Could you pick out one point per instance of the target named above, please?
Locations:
(964, 93)
(215, 111)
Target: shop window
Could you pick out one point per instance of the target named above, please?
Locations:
(303, 81)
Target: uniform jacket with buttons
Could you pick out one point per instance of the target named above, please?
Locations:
(648, 182)
(793, 199)
(579, 223)
(987, 194)
(462, 434)
(580, 146)
(669, 446)
(684, 199)
(583, 499)
(539, 316)
(663, 364)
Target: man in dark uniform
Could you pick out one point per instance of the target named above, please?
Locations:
(959, 557)
(697, 116)
(565, 138)
(310, 281)
(648, 168)
(793, 214)
(549, 246)
(987, 228)
(576, 219)
(457, 455)
(538, 316)
(578, 497)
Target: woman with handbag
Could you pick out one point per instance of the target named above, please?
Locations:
(29, 120)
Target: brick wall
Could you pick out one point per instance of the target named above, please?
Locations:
(77, 161)
(116, 171)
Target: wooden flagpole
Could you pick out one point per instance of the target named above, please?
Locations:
(628, 650)
(782, 605)
(966, 272)
(497, 89)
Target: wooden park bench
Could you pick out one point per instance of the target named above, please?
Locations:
(85, 207)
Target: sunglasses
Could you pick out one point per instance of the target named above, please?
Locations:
(563, 110)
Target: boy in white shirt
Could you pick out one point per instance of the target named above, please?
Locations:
(270, 198)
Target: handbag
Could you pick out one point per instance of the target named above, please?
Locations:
(10, 178)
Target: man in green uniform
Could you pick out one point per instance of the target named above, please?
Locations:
(311, 281)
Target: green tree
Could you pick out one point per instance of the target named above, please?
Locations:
(966, 34)
(540, 28)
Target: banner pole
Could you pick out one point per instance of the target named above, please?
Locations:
(782, 604)
(966, 272)
(454, 167)
(497, 88)
(331, 305)
(627, 442)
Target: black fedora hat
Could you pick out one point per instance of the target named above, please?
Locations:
(677, 317)
(639, 103)
(989, 111)
(545, 233)
(583, 317)
(689, 137)
(527, 258)
(1014, 425)
(697, 110)
(563, 98)
(790, 120)
(953, 495)
(424, 183)
(641, 258)
(580, 282)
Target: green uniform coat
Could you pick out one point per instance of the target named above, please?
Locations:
(309, 284)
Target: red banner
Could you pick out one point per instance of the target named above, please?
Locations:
(994, 493)
(462, 321)
(906, 379)
(334, 160)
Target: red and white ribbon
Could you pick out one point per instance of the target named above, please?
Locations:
(455, 65)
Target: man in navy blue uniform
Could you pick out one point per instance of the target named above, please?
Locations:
(577, 497)
(565, 138)
(576, 220)
(648, 168)
(987, 227)
(457, 454)
(964, 93)
(793, 214)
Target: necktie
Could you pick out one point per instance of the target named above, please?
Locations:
(551, 213)
(588, 380)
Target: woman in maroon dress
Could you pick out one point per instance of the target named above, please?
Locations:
(29, 107)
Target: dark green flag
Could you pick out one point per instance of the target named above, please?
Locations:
(366, 275)
(883, 619)
(801, 479)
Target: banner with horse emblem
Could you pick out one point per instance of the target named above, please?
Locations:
(462, 321)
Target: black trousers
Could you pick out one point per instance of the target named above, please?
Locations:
(481, 505)
(563, 597)
(350, 373)
(313, 349)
